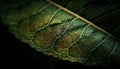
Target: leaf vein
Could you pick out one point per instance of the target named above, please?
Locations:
(79, 36)
(45, 25)
(63, 31)
(116, 44)
(96, 47)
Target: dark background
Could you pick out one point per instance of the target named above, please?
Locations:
(16, 54)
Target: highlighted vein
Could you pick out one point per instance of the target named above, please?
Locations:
(63, 31)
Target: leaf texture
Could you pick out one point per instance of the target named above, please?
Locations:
(102, 13)
(54, 30)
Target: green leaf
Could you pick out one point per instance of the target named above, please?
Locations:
(102, 13)
(57, 31)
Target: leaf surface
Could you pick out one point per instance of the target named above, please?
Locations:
(103, 13)
(55, 30)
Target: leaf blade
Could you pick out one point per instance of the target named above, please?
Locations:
(54, 24)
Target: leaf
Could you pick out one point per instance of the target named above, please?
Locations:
(54, 30)
(101, 12)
